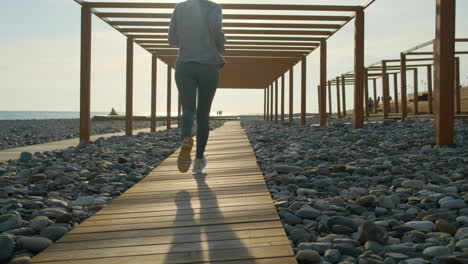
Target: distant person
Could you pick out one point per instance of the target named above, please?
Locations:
(370, 103)
(196, 29)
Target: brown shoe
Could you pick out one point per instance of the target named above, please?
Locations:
(185, 160)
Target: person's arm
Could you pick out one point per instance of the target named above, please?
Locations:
(173, 37)
(217, 29)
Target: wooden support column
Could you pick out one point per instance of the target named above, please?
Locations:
(179, 110)
(276, 101)
(343, 93)
(282, 98)
(85, 76)
(338, 101)
(374, 82)
(272, 94)
(457, 85)
(359, 70)
(303, 90)
(129, 97)
(268, 103)
(429, 89)
(330, 110)
(416, 92)
(153, 91)
(385, 90)
(395, 92)
(264, 104)
(404, 100)
(366, 94)
(291, 95)
(169, 89)
(444, 58)
(323, 83)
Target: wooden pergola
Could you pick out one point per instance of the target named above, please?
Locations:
(442, 62)
(258, 53)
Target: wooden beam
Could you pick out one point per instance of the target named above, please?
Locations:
(246, 53)
(236, 48)
(169, 90)
(359, 70)
(343, 94)
(429, 89)
(282, 98)
(404, 107)
(276, 101)
(416, 92)
(366, 94)
(268, 103)
(430, 53)
(282, 7)
(338, 102)
(226, 25)
(231, 43)
(323, 84)
(264, 104)
(457, 86)
(330, 109)
(303, 90)
(395, 92)
(444, 53)
(374, 81)
(85, 76)
(254, 38)
(272, 102)
(129, 94)
(227, 16)
(291, 94)
(238, 31)
(154, 83)
(385, 90)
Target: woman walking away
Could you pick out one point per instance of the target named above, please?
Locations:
(196, 29)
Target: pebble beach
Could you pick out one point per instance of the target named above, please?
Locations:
(379, 195)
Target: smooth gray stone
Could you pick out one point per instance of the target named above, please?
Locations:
(53, 232)
(332, 256)
(10, 221)
(7, 247)
(420, 225)
(415, 261)
(308, 212)
(287, 169)
(436, 251)
(308, 256)
(40, 222)
(342, 220)
(321, 247)
(453, 204)
(369, 231)
(52, 212)
(462, 243)
(34, 244)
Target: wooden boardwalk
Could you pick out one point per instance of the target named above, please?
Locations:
(225, 215)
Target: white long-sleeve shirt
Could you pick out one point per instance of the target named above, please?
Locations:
(196, 29)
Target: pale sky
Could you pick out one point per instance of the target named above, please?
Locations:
(40, 49)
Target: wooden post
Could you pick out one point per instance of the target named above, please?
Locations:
(385, 90)
(404, 100)
(343, 93)
(444, 58)
(330, 110)
(374, 81)
(429, 89)
(272, 94)
(179, 108)
(153, 91)
(169, 88)
(291, 94)
(85, 76)
(264, 104)
(282, 98)
(395, 92)
(323, 83)
(416, 92)
(359, 70)
(303, 90)
(268, 103)
(338, 101)
(129, 104)
(276, 101)
(457, 85)
(366, 93)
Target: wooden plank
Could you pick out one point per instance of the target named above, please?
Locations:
(194, 257)
(303, 90)
(282, 98)
(231, 25)
(323, 84)
(359, 71)
(238, 31)
(291, 94)
(276, 102)
(154, 79)
(129, 89)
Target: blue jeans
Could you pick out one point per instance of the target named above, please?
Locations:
(194, 78)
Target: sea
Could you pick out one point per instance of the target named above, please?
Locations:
(40, 115)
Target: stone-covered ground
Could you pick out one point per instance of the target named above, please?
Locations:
(44, 195)
(18, 133)
(382, 194)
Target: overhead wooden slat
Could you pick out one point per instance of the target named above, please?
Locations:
(227, 16)
(287, 54)
(229, 43)
(228, 25)
(332, 8)
(166, 47)
(256, 38)
(237, 31)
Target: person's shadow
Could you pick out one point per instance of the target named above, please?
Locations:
(206, 245)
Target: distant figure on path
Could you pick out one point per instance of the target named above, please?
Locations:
(370, 103)
(196, 29)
